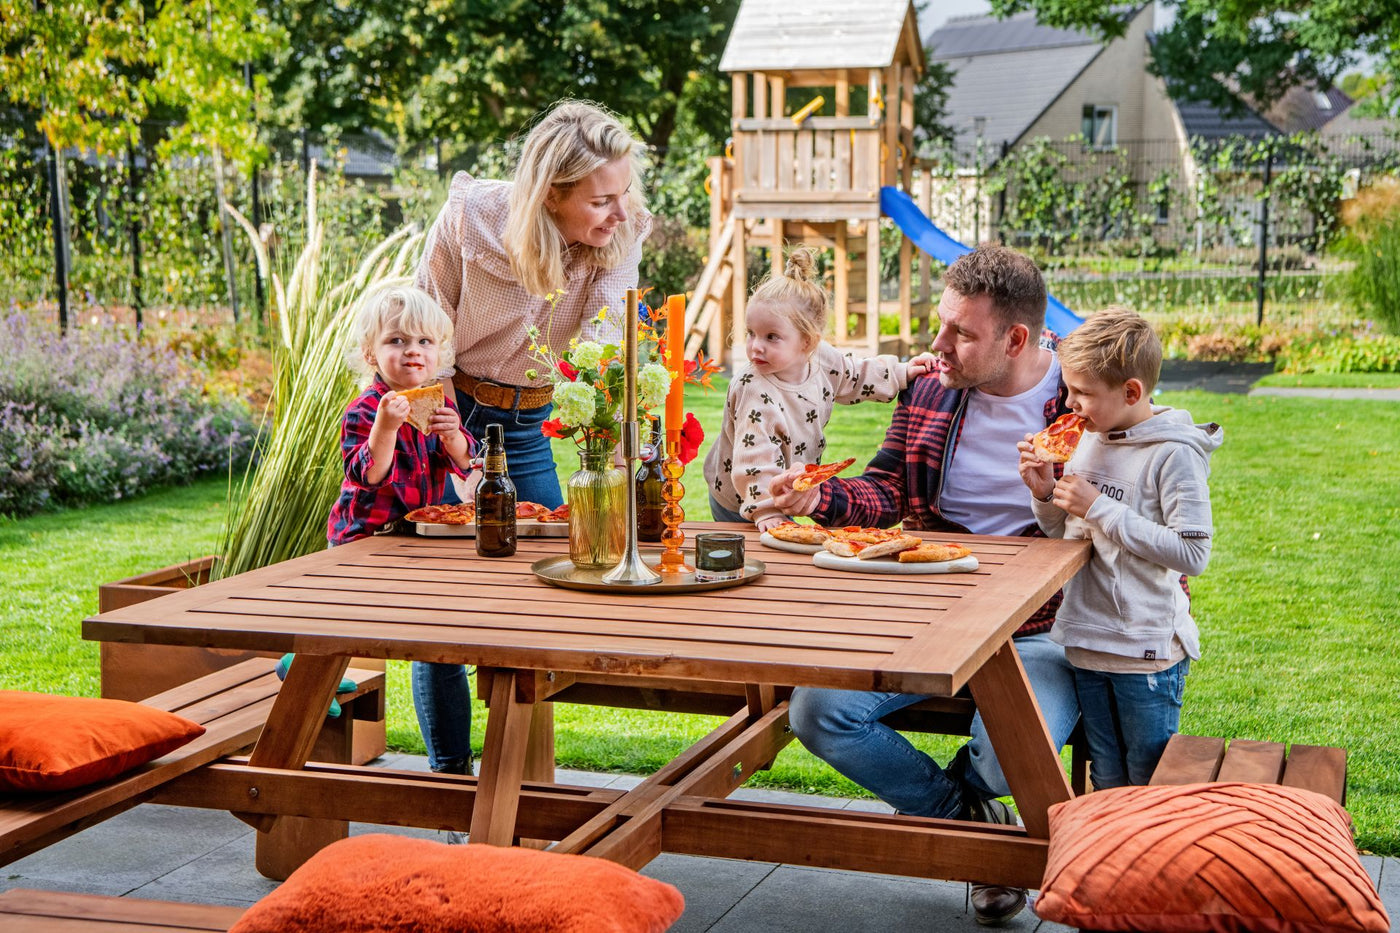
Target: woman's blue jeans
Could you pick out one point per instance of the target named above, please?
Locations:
(441, 693)
(1128, 720)
(843, 728)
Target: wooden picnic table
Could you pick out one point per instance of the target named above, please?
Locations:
(434, 599)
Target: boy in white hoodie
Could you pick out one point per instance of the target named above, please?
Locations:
(1136, 487)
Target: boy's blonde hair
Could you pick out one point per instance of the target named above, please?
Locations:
(572, 141)
(796, 294)
(404, 307)
(1114, 345)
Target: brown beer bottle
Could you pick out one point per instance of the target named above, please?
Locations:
(495, 500)
(649, 479)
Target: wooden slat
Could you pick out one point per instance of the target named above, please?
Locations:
(1253, 762)
(30, 911)
(1189, 759)
(1317, 768)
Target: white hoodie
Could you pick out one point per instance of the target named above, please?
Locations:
(1150, 524)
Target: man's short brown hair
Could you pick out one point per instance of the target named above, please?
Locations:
(1114, 345)
(1015, 285)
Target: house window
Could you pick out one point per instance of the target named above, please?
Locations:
(1100, 126)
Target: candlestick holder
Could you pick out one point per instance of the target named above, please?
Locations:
(631, 570)
(672, 514)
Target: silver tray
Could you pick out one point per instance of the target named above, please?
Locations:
(561, 571)
(526, 529)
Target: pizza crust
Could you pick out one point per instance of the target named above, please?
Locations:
(932, 553)
(795, 533)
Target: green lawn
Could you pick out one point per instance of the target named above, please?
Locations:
(1297, 609)
(1333, 380)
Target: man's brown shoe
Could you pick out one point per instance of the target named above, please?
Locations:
(994, 905)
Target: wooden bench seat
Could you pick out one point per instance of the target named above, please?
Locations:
(26, 911)
(1193, 759)
(232, 704)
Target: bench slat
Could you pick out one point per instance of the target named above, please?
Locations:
(27, 911)
(1252, 762)
(1189, 759)
(1318, 768)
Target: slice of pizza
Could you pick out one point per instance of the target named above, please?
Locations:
(818, 473)
(869, 551)
(422, 402)
(529, 511)
(795, 533)
(859, 535)
(932, 553)
(1057, 442)
(462, 514)
(560, 514)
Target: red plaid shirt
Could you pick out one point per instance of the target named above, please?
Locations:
(905, 479)
(418, 476)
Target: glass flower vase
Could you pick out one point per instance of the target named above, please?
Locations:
(597, 510)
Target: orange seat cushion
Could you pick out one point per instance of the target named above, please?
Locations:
(380, 882)
(50, 743)
(1217, 857)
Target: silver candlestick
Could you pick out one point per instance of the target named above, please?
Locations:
(631, 570)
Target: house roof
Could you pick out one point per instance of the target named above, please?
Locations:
(783, 35)
(1305, 108)
(1203, 120)
(1006, 72)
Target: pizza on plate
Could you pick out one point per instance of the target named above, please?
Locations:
(560, 514)
(462, 514)
(528, 511)
(870, 550)
(795, 533)
(422, 402)
(933, 553)
(818, 473)
(1057, 442)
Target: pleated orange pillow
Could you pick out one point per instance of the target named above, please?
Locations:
(379, 882)
(51, 743)
(1207, 858)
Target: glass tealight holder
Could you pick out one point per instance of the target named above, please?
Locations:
(719, 555)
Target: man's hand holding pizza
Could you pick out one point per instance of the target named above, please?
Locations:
(790, 500)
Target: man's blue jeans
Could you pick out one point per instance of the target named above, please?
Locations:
(843, 728)
(1128, 719)
(441, 693)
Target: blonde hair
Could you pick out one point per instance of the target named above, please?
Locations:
(1114, 345)
(795, 294)
(568, 144)
(402, 306)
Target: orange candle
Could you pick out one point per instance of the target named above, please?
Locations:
(675, 361)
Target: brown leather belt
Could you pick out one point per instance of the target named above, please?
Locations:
(500, 395)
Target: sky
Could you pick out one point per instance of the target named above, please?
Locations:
(937, 12)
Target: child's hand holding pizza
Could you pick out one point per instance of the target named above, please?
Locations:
(1037, 474)
(444, 422)
(1075, 494)
(393, 411)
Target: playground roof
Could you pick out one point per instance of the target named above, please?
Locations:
(779, 35)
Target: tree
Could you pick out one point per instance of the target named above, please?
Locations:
(1216, 49)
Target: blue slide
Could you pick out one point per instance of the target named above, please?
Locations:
(900, 208)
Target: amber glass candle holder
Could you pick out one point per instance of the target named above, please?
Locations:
(672, 560)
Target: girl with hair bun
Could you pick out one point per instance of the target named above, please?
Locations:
(779, 403)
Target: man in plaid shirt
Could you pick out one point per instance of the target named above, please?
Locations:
(949, 463)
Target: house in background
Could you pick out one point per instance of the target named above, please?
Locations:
(1016, 81)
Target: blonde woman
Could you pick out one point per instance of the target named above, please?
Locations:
(549, 249)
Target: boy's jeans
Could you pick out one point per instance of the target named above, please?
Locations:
(1128, 719)
(843, 728)
(441, 694)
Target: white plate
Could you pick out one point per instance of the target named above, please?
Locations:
(778, 544)
(829, 561)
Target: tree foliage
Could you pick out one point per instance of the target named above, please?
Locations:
(1259, 47)
(91, 70)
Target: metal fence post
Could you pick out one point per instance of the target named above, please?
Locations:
(1264, 230)
(1001, 196)
(133, 183)
(60, 238)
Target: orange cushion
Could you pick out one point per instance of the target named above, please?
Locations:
(1218, 857)
(50, 743)
(380, 882)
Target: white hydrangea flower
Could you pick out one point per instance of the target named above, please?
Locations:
(574, 403)
(653, 384)
(587, 355)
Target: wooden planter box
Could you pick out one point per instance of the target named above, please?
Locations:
(134, 672)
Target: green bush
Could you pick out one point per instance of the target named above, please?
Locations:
(1342, 353)
(1374, 282)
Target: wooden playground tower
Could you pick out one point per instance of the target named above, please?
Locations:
(794, 178)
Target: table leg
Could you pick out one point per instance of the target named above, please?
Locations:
(502, 762)
(1022, 742)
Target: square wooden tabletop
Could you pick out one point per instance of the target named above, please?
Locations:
(434, 599)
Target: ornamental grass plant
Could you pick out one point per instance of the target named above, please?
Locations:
(277, 510)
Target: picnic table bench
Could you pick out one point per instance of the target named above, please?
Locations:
(232, 704)
(1195, 759)
(28, 911)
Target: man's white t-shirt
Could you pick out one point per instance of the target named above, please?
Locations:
(982, 488)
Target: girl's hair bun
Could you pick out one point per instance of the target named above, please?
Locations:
(801, 265)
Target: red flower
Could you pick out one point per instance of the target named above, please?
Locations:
(699, 370)
(691, 437)
(570, 372)
(552, 428)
